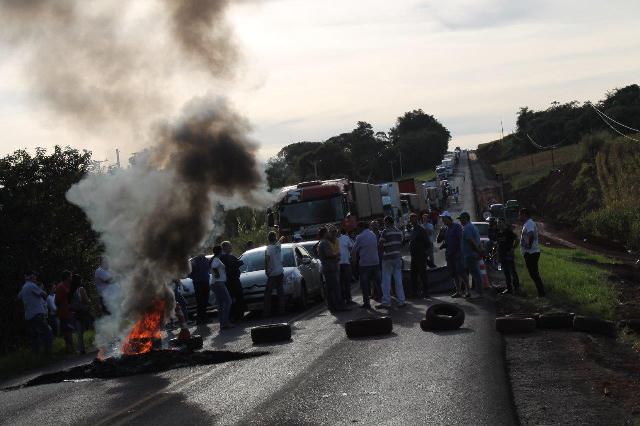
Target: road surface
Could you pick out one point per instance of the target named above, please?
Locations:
(321, 377)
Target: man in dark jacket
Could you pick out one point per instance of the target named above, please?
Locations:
(507, 241)
(418, 243)
(200, 277)
(232, 265)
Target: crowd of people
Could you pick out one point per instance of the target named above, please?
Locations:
(64, 309)
(371, 254)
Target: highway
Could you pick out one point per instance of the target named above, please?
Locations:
(320, 377)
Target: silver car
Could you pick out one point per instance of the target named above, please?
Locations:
(302, 278)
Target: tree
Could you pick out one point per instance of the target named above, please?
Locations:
(40, 229)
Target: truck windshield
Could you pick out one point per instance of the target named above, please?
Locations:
(312, 212)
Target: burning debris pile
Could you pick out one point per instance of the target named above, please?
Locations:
(120, 66)
(154, 361)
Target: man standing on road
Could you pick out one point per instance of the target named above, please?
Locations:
(376, 286)
(507, 241)
(366, 250)
(471, 250)
(219, 287)
(104, 283)
(330, 269)
(232, 265)
(530, 249)
(275, 273)
(346, 244)
(33, 298)
(391, 243)
(428, 226)
(199, 274)
(63, 303)
(418, 248)
(452, 239)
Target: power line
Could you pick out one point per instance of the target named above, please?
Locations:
(542, 147)
(614, 129)
(611, 119)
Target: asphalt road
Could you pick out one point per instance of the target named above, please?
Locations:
(321, 377)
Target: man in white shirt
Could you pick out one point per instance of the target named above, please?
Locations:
(219, 288)
(531, 249)
(104, 283)
(346, 245)
(275, 273)
(33, 299)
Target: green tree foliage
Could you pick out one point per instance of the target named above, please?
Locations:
(565, 124)
(418, 139)
(40, 229)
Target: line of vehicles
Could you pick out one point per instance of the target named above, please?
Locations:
(302, 209)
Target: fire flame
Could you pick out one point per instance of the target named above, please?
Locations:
(140, 339)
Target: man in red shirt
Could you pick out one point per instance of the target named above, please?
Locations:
(64, 310)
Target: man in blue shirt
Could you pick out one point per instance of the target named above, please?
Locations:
(365, 250)
(453, 243)
(471, 250)
(33, 298)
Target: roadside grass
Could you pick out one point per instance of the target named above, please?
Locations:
(24, 360)
(540, 161)
(573, 281)
(424, 175)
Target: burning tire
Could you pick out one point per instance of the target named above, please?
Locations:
(594, 325)
(513, 325)
(271, 333)
(367, 327)
(443, 316)
(555, 321)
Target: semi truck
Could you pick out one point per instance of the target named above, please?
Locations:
(413, 186)
(302, 209)
(393, 205)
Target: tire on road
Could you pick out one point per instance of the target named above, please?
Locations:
(443, 316)
(556, 320)
(594, 325)
(367, 327)
(193, 343)
(271, 333)
(513, 325)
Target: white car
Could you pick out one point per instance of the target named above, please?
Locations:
(302, 278)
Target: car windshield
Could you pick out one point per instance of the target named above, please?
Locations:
(254, 261)
(312, 212)
(483, 229)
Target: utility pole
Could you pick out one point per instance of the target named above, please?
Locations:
(553, 159)
(118, 157)
(502, 129)
(400, 155)
(392, 175)
(315, 168)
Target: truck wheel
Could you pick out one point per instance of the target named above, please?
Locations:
(594, 325)
(443, 316)
(512, 325)
(367, 327)
(557, 320)
(271, 333)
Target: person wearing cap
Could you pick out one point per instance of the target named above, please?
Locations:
(452, 238)
(471, 250)
(33, 298)
(531, 249)
(418, 244)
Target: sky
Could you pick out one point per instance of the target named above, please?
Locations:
(310, 70)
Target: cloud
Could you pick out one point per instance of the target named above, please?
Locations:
(477, 14)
